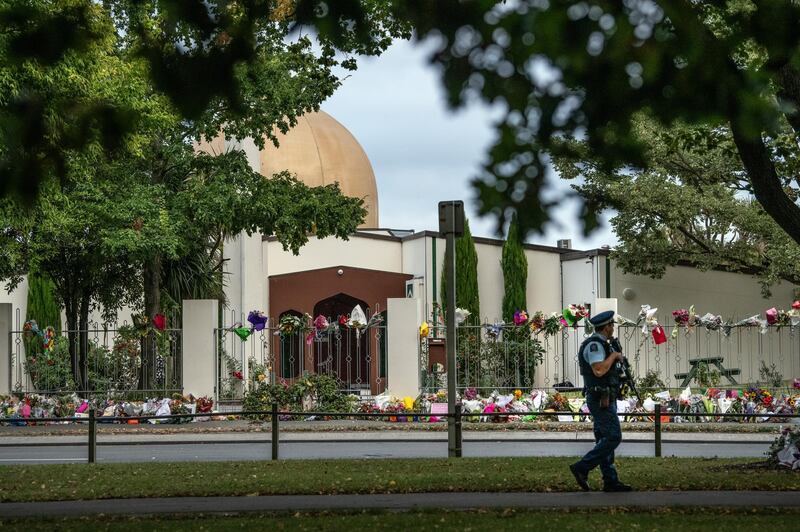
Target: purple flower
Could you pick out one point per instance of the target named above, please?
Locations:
(257, 319)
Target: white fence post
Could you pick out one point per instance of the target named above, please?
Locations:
(402, 346)
(6, 326)
(200, 319)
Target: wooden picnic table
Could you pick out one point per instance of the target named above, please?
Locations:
(709, 361)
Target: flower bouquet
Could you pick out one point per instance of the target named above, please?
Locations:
(290, 324)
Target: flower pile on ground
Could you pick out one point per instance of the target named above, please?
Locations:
(27, 409)
(539, 404)
(785, 450)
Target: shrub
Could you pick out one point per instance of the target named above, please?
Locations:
(651, 381)
(770, 374)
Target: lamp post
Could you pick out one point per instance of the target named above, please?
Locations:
(451, 225)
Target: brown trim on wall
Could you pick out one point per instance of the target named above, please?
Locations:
(301, 291)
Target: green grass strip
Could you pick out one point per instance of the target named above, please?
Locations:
(496, 521)
(101, 481)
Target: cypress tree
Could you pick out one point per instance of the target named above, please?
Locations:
(42, 305)
(466, 275)
(515, 272)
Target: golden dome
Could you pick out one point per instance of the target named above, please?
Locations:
(321, 151)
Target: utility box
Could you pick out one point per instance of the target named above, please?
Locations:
(437, 353)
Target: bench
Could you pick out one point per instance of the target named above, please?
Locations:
(709, 361)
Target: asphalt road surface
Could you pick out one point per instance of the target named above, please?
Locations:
(177, 451)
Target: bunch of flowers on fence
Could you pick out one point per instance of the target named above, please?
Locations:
(552, 324)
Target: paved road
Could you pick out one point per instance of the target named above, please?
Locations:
(400, 501)
(215, 447)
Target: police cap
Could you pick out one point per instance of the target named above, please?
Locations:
(604, 318)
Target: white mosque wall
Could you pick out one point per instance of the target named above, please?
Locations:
(416, 257)
(490, 281)
(358, 252)
(19, 303)
(544, 287)
(543, 291)
(245, 287)
(580, 281)
(731, 295)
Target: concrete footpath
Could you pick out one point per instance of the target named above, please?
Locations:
(401, 501)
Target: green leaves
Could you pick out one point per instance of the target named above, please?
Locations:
(515, 273)
(692, 204)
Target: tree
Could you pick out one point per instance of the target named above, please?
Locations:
(559, 69)
(693, 205)
(564, 69)
(515, 273)
(467, 296)
(204, 56)
(155, 187)
(42, 305)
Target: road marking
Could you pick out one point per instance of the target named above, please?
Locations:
(42, 459)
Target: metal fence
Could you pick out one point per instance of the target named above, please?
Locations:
(510, 357)
(356, 359)
(455, 444)
(97, 362)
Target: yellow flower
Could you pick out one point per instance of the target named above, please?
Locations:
(408, 402)
(261, 377)
(517, 394)
(424, 330)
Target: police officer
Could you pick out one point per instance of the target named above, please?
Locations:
(601, 385)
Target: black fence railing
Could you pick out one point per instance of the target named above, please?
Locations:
(274, 416)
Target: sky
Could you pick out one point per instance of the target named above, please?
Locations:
(421, 151)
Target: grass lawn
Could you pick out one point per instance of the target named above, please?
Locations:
(511, 520)
(101, 481)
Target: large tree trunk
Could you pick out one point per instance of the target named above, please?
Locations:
(83, 339)
(767, 186)
(71, 310)
(152, 305)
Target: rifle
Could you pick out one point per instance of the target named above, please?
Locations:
(626, 378)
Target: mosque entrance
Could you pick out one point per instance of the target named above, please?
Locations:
(345, 355)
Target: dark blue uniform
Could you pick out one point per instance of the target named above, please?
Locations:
(607, 430)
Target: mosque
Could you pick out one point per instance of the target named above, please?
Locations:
(378, 263)
(378, 266)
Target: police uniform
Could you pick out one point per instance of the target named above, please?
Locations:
(607, 430)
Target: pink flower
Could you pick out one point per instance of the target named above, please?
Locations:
(681, 316)
(772, 316)
(321, 322)
(520, 317)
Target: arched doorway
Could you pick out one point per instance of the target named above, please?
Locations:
(344, 355)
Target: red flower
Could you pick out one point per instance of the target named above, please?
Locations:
(160, 322)
(238, 375)
(343, 320)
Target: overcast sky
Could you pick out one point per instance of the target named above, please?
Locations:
(421, 152)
